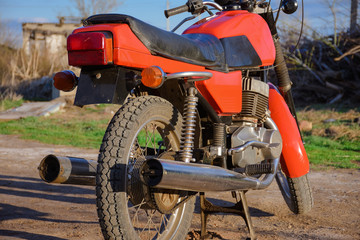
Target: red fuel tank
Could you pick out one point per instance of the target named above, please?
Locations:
(240, 23)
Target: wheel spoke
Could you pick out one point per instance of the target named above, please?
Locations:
(153, 136)
(164, 222)
(147, 225)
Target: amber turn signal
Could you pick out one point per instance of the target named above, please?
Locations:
(65, 81)
(153, 77)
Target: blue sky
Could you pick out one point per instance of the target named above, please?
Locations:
(151, 11)
(48, 10)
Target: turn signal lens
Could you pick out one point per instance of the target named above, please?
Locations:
(65, 81)
(153, 77)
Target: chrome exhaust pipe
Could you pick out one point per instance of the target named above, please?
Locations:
(160, 173)
(67, 170)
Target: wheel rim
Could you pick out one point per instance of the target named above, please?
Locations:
(149, 223)
(284, 186)
(283, 183)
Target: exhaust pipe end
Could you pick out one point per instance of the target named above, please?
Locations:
(67, 170)
(151, 172)
(54, 170)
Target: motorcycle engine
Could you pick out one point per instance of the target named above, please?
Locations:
(250, 126)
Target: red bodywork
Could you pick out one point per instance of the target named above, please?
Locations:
(294, 160)
(224, 90)
(239, 23)
(129, 51)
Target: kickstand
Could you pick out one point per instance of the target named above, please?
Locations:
(241, 208)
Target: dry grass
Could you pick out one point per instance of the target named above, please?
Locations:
(333, 124)
(23, 66)
(16, 65)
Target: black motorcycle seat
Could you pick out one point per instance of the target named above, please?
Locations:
(200, 49)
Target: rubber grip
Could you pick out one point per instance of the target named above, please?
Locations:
(177, 10)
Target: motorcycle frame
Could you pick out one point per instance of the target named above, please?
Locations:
(113, 83)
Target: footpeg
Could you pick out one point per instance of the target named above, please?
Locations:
(263, 168)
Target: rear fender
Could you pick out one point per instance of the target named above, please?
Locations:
(104, 85)
(294, 160)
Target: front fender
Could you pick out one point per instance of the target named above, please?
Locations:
(294, 160)
(104, 85)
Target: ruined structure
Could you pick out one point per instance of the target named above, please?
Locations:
(49, 37)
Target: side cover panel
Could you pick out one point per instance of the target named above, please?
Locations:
(294, 161)
(223, 91)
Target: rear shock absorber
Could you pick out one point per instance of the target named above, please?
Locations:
(189, 126)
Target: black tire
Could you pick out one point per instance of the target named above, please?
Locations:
(296, 192)
(121, 214)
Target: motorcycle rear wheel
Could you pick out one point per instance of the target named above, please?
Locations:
(142, 128)
(296, 192)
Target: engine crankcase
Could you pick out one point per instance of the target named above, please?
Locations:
(254, 155)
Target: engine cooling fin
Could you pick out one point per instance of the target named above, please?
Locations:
(255, 98)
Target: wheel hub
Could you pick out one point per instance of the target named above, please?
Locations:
(165, 200)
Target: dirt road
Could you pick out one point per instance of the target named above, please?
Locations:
(31, 209)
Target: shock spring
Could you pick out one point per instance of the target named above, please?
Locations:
(189, 126)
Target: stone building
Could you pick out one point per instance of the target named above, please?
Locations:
(49, 37)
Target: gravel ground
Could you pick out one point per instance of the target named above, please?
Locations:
(31, 209)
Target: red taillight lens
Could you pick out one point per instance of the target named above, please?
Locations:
(90, 48)
(86, 41)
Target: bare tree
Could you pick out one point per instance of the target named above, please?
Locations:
(91, 7)
(332, 6)
(353, 15)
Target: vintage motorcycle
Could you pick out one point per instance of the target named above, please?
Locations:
(198, 115)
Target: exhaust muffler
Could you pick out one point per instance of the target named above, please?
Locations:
(160, 173)
(67, 170)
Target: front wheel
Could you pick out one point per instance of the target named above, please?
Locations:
(296, 192)
(145, 127)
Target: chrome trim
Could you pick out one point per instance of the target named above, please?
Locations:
(192, 76)
(184, 21)
(241, 148)
(212, 4)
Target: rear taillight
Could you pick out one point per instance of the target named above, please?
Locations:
(90, 48)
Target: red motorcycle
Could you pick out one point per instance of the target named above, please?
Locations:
(198, 115)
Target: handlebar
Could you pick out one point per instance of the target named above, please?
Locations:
(198, 6)
(193, 6)
(177, 10)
